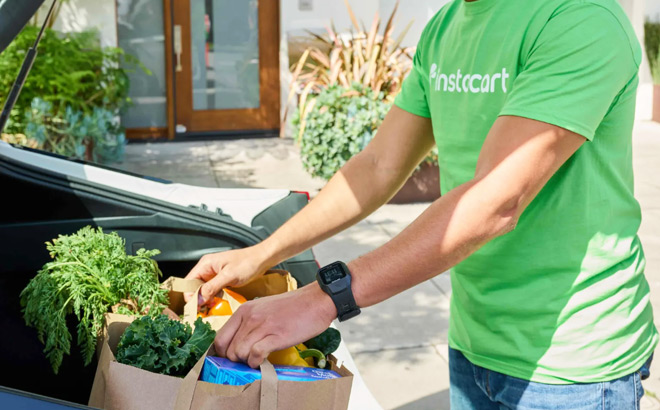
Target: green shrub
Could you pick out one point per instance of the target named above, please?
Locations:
(339, 125)
(71, 70)
(94, 136)
(73, 95)
(652, 45)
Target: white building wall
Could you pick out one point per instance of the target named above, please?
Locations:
(293, 19)
(653, 10)
(419, 12)
(78, 15)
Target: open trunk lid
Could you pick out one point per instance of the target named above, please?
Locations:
(14, 15)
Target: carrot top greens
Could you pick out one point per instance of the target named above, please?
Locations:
(89, 274)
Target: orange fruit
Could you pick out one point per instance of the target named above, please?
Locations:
(220, 307)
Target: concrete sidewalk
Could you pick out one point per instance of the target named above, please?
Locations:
(400, 346)
(646, 155)
(246, 163)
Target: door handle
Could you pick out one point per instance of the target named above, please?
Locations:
(178, 47)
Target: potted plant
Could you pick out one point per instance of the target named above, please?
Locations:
(423, 185)
(94, 136)
(339, 124)
(652, 43)
(345, 86)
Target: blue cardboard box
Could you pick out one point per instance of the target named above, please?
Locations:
(223, 371)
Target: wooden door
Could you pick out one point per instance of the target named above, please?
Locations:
(226, 65)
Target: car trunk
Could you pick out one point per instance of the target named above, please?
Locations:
(46, 195)
(41, 204)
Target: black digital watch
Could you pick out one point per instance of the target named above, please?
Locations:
(335, 280)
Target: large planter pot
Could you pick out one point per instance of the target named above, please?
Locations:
(422, 186)
(656, 103)
(89, 150)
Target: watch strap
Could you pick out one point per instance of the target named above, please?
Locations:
(345, 304)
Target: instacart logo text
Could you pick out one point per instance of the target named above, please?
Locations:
(468, 83)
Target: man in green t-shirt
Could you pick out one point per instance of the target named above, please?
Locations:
(531, 106)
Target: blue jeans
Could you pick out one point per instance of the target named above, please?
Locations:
(475, 388)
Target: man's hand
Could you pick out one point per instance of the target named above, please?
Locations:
(265, 325)
(230, 268)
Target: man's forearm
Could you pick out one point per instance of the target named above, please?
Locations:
(451, 229)
(358, 189)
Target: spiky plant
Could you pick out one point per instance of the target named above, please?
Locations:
(371, 58)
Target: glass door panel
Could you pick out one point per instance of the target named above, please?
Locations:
(225, 54)
(141, 34)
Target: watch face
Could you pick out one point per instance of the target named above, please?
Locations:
(332, 274)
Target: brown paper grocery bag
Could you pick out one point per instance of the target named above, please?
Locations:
(273, 282)
(121, 387)
(118, 386)
(272, 394)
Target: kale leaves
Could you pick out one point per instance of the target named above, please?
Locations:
(162, 345)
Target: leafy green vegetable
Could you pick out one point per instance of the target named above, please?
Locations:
(90, 273)
(162, 345)
(327, 342)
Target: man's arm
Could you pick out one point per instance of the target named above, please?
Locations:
(517, 159)
(365, 183)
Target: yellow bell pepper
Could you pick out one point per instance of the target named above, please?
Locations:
(289, 357)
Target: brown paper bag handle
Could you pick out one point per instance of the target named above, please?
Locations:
(186, 392)
(268, 387)
(268, 399)
(190, 309)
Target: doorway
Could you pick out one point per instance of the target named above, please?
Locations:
(213, 66)
(226, 65)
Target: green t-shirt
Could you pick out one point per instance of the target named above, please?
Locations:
(562, 298)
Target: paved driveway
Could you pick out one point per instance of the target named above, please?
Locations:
(400, 346)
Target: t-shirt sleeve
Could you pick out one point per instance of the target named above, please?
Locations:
(577, 67)
(412, 97)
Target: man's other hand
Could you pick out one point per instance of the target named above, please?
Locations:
(262, 326)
